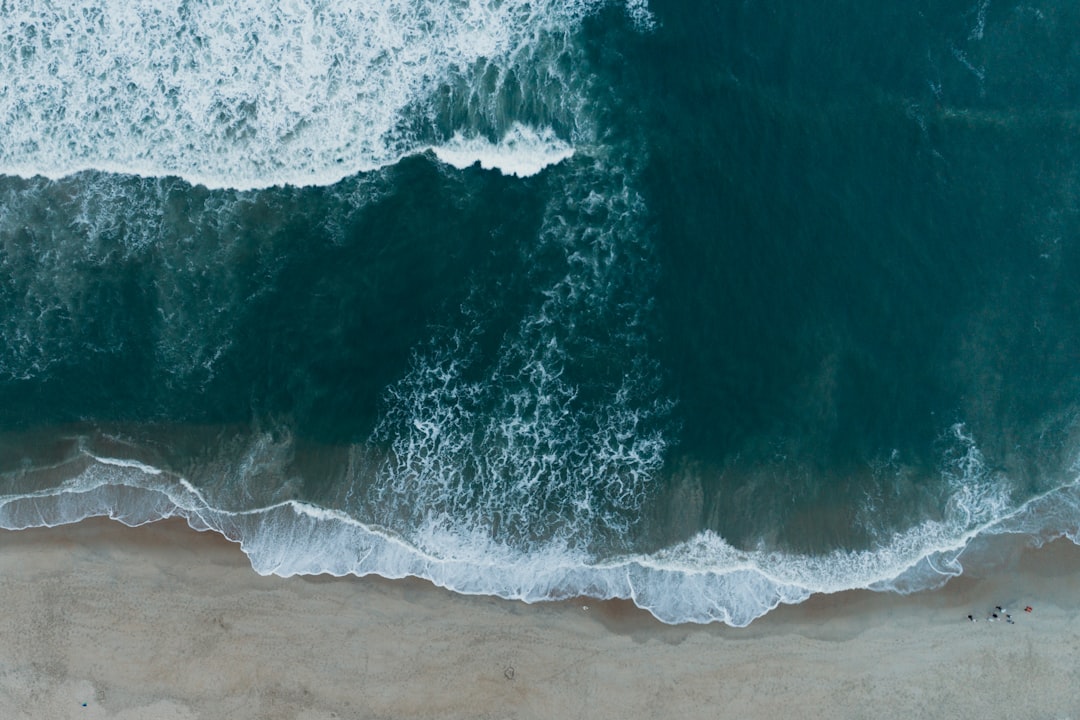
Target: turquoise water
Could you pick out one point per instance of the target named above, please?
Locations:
(708, 305)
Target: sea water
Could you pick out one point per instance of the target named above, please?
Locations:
(712, 306)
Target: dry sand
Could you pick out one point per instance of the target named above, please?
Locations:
(163, 622)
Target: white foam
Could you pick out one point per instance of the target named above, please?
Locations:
(511, 437)
(253, 93)
(701, 580)
(120, 462)
(521, 152)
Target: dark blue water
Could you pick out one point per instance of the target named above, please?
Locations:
(709, 305)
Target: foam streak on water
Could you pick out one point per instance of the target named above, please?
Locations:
(524, 447)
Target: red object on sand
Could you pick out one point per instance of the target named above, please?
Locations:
(1027, 609)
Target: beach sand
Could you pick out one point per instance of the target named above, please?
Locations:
(104, 621)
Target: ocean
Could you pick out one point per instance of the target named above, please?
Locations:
(710, 305)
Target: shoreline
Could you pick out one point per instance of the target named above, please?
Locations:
(162, 621)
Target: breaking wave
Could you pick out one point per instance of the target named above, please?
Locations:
(523, 151)
(703, 579)
(258, 93)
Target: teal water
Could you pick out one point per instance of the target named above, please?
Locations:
(712, 306)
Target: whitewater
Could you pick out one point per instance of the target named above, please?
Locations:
(701, 580)
(255, 94)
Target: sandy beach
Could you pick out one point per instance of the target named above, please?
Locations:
(104, 621)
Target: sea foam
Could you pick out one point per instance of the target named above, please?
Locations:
(256, 93)
(703, 579)
(517, 442)
(523, 151)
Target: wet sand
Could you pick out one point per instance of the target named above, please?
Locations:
(105, 621)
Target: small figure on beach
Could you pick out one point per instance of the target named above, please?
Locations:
(1027, 609)
(972, 618)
